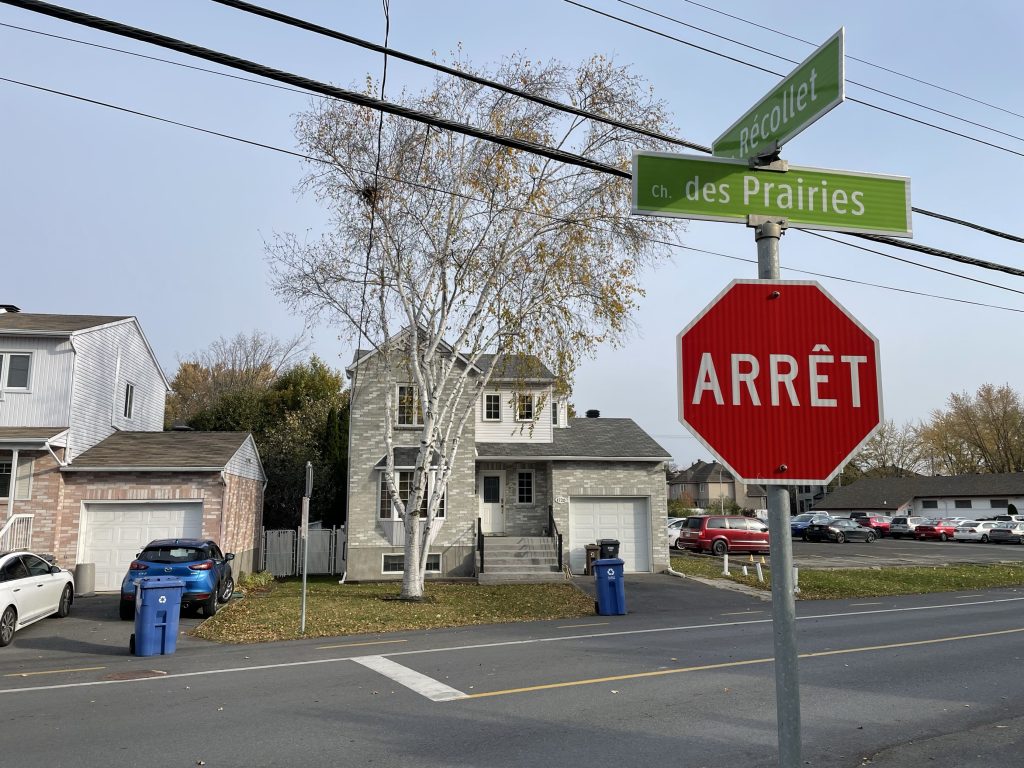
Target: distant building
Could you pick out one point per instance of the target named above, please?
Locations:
(707, 484)
(975, 495)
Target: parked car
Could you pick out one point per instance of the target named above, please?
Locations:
(719, 534)
(798, 525)
(1007, 533)
(904, 526)
(942, 530)
(974, 530)
(840, 530)
(197, 562)
(31, 589)
(879, 523)
(1009, 518)
(675, 524)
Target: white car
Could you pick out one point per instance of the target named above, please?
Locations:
(675, 524)
(974, 530)
(31, 589)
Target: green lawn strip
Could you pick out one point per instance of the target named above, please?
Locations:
(866, 582)
(353, 609)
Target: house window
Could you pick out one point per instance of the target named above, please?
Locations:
(396, 563)
(492, 407)
(554, 412)
(5, 479)
(129, 400)
(999, 503)
(404, 482)
(525, 495)
(14, 370)
(962, 503)
(524, 408)
(410, 408)
(929, 504)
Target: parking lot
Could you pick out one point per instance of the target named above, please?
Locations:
(888, 552)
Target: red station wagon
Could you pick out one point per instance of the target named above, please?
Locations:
(719, 534)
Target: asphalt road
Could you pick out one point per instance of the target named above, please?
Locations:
(686, 678)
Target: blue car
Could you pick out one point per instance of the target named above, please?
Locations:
(197, 562)
(798, 525)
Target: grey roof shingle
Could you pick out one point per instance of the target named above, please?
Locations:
(162, 450)
(506, 367)
(405, 458)
(25, 322)
(585, 438)
(29, 433)
(891, 492)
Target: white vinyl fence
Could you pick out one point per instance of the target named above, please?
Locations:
(282, 551)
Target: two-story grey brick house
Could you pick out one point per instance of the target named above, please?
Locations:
(525, 474)
(86, 472)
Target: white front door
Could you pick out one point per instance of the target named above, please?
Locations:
(492, 502)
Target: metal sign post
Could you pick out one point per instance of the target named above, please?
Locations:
(787, 684)
(305, 541)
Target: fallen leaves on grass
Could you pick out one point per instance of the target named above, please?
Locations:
(353, 609)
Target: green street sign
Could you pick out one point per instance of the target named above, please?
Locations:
(716, 189)
(807, 93)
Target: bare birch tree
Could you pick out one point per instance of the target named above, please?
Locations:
(472, 248)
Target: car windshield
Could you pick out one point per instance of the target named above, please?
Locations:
(677, 523)
(803, 518)
(173, 554)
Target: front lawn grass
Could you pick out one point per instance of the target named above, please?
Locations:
(864, 582)
(354, 609)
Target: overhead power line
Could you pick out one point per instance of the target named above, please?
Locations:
(788, 60)
(567, 108)
(324, 89)
(751, 65)
(304, 92)
(470, 198)
(854, 58)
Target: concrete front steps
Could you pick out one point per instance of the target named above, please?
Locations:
(519, 559)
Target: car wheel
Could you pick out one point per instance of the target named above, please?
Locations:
(7, 624)
(840, 537)
(943, 537)
(64, 606)
(126, 610)
(719, 547)
(984, 538)
(227, 590)
(804, 537)
(210, 606)
(870, 537)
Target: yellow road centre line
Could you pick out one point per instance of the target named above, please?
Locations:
(745, 663)
(592, 624)
(355, 645)
(53, 672)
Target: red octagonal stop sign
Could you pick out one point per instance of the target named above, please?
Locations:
(779, 381)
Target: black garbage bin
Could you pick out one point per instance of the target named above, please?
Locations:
(609, 548)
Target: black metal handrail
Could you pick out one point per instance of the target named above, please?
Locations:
(553, 532)
(480, 542)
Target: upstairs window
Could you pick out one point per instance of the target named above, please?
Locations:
(492, 407)
(524, 408)
(554, 412)
(14, 370)
(410, 408)
(129, 400)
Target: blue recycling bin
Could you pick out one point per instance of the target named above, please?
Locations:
(157, 608)
(611, 590)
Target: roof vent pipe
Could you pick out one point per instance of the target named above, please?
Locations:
(593, 414)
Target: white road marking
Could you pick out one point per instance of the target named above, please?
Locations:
(857, 605)
(415, 681)
(964, 597)
(505, 643)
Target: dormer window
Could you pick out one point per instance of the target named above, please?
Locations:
(524, 408)
(14, 370)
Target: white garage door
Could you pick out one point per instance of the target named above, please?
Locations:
(624, 518)
(112, 534)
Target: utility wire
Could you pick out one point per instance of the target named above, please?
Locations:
(922, 211)
(378, 104)
(335, 34)
(470, 198)
(865, 86)
(666, 35)
(854, 58)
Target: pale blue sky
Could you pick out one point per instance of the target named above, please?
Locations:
(107, 213)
